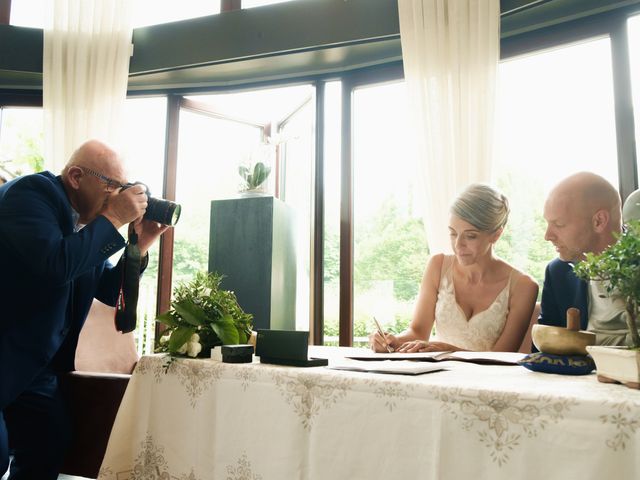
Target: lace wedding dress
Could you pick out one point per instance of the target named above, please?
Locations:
(478, 333)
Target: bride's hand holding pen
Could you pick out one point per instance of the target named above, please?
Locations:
(379, 341)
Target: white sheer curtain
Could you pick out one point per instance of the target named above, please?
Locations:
(87, 47)
(450, 51)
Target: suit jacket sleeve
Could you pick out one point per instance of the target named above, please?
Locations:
(36, 229)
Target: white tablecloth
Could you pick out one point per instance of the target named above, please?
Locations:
(202, 419)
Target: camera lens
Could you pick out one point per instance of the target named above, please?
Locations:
(162, 211)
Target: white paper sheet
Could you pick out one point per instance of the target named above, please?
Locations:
(401, 367)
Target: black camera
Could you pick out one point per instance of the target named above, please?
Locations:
(159, 210)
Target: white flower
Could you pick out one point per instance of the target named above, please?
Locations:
(191, 347)
(194, 349)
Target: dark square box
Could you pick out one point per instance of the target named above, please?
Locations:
(237, 353)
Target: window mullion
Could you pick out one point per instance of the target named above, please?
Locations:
(317, 259)
(623, 101)
(165, 269)
(346, 218)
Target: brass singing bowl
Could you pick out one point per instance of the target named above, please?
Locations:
(561, 341)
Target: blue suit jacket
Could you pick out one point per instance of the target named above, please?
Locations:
(561, 291)
(49, 276)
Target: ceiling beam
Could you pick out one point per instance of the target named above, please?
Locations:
(290, 39)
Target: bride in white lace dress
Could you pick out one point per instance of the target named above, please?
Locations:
(475, 300)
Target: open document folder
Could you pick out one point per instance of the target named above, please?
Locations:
(402, 367)
(489, 358)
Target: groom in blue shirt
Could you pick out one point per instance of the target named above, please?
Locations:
(583, 215)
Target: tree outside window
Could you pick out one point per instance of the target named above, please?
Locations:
(21, 141)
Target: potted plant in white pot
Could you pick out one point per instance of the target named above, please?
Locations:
(618, 267)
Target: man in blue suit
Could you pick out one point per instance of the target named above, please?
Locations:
(56, 235)
(583, 215)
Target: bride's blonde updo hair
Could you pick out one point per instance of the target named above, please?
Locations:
(482, 206)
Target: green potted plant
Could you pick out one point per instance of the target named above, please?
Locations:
(619, 268)
(254, 177)
(203, 316)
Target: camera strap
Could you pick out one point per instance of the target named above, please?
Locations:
(127, 303)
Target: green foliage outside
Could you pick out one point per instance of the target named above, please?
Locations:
(522, 244)
(619, 267)
(25, 157)
(331, 257)
(189, 257)
(393, 247)
(363, 327)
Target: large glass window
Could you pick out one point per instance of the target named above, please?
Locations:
(295, 143)
(555, 117)
(28, 13)
(634, 57)
(390, 248)
(209, 153)
(21, 141)
(143, 151)
(221, 132)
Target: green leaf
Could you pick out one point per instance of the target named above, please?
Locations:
(260, 173)
(179, 337)
(167, 319)
(190, 312)
(226, 330)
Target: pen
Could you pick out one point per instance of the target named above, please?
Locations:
(384, 337)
